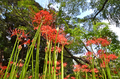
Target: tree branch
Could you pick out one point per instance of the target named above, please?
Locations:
(93, 18)
(75, 58)
(100, 9)
(22, 17)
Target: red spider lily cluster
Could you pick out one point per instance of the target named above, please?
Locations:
(101, 54)
(98, 41)
(3, 68)
(84, 68)
(104, 57)
(52, 35)
(57, 49)
(48, 32)
(21, 36)
(43, 17)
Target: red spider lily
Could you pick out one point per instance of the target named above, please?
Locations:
(90, 42)
(95, 70)
(89, 53)
(104, 63)
(50, 34)
(100, 51)
(19, 47)
(45, 30)
(67, 77)
(89, 58)
(102, 56)
(4, 67)
(97, 41)
(58, 62)
(64, 64)
(62, 40)
(20, 64)
(85, 70)
(14, 32)
(27, 42)
(84, 66)
(23, 35)
(43, 16)
(77, 68)
(11, 62)
(58, 68)
(103, 42)
(57, 49)
(30, 77)
(72, 77)
(112, 57)
(48, 62)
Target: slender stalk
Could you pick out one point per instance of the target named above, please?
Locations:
(32, 67)
(10, 59)
(50, 61)
(13, 70)
(62, 68)
(37, 59)
(14, 65)
(29, 53)
(93, 73)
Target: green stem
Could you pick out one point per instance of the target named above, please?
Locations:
(62, 68)
(10, 59)
(37, 59)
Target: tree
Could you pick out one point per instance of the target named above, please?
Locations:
(68, 11)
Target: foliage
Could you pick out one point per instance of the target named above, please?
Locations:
(42, 37)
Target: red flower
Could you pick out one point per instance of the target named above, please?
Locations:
(50, 34)
(4, 67)
(95, 70)
(89, 53)
(58, 68)
(62, 40)
(100, 51)
(57, 49)
(27, 42)
(30, 77)
(89, 42)
(14, 32)
(103, 42)
(77, 68)
(72, 77)
(84, 66)
(20, 64)
(85, 70)
(42, 16)
(112, 57)
(67, 77)
(64, 64)
(58, 62)
(24, 35)
(19, 47)
(11, 62)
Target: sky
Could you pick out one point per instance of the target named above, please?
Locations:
(112, 27)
